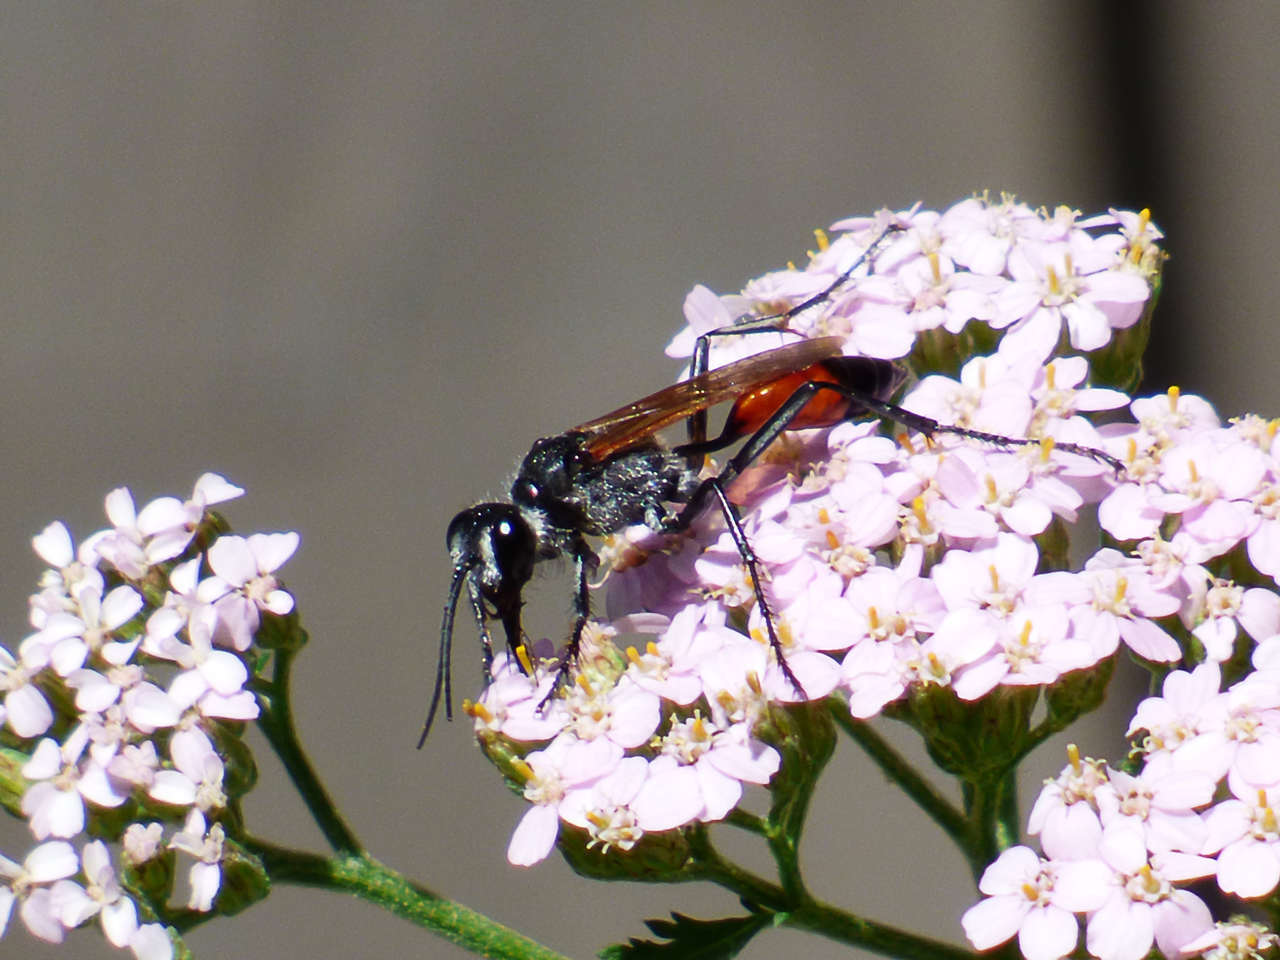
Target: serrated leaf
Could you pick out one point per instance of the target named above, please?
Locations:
(687, 938)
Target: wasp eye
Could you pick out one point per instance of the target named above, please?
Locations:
(496, 539)
(514, 547)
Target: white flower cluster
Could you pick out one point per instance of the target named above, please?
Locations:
(133, 675)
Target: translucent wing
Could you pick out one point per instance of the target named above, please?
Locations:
(629, 425)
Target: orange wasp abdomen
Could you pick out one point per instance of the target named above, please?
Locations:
(825, 409)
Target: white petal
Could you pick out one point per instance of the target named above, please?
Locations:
(51, 861)
(273, 549)
(46, 760)
(29, 714)
(94, 692)
(214, 488)
(188, 687)
(151, 942)
(120, 922)
(224, 672)
(161, 513)
(40, 916)
(61, 814)
(68, 655)
(170, 786)
(184, 576)
(96, 787)
(149, 708)
(119, 606)
(120, 509)
(534, 836)
(1048, 933)
(239, 706)
(53, 545)
(167, 544)
(72, 905)
(994, 920)
(232, 560)
(205, 880)
(6, 907)
(279, 602)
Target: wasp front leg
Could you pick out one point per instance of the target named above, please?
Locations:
(585, 564)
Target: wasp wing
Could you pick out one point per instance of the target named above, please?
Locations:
(628, 426)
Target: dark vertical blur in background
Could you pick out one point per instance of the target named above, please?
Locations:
(356, 257)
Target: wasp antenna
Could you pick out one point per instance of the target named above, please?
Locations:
(444, 676)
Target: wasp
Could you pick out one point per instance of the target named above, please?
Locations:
(613, 472)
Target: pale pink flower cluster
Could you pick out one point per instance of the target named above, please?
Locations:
(900, 566)
(664, 736)
(1119, 847)
(120, 695)
(1019, 271)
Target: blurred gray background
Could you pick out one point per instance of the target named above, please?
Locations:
(356, 257)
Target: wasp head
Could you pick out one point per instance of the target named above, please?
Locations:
(493, 549)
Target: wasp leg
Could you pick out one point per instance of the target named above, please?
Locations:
(714, 487)
(771, 323)
(585, 562)
(930, 428)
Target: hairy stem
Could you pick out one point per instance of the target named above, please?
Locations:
(368, 879)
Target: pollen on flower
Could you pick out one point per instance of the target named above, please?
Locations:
(1146, 886)
(1053, 285)
(1253, 428)
(522, 654)
(916, 527)
(1024, 638)
(1235, 940)
(1038, 892)
(1264, 826)
(615, 828)
(1081, 779)
(934, 669)
(786, 637)
(1135, 801)
(687, 740)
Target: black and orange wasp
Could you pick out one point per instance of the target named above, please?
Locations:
(613, 472)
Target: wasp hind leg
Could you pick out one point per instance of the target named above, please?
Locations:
(772, 323)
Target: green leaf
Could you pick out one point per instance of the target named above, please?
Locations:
(689, 939)
(244, 880)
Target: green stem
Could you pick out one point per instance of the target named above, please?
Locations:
(750, 822)
(276, 722)
(714, 868)
(836, 924)
(1008, 826)
(813, 915)
(368, 879)
(925, 795)
(983, 801)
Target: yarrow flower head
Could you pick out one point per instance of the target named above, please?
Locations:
(127, 701)
(892, 571)
(925, 576)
